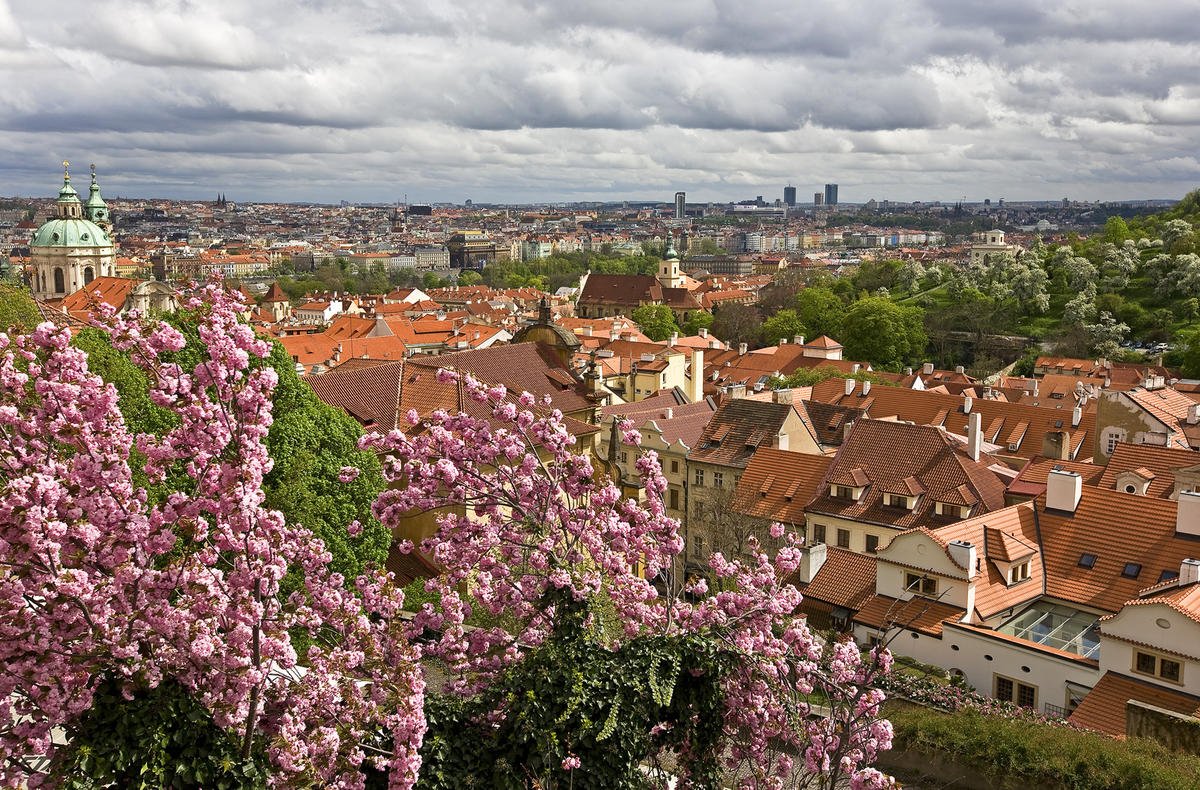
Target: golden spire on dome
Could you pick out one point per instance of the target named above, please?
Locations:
(66, 171)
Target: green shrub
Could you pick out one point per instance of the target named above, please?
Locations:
(1042, 756)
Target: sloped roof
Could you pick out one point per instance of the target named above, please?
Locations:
(1031, 479)
(777, 484)
(847, 579)
(1160, 462)
(916, 614)
(1103, 709)
(1005, 423)
(112, 291)
(936, 462)
(737, 429)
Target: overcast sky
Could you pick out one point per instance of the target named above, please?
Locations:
(502, 100)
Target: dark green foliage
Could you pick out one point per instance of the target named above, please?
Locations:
(162, 738)
(883, 333)
(807, 377)
(575, 696)
(565, 269)
(697, 321)
(737, 323)
(820, 311)
(1041, 755)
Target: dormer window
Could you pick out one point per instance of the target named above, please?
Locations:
(918, 584)
(896, 500)
(1019, 572)
(951, 511)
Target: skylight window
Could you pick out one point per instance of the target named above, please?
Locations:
(1131, 570)
(1087, 561)
(1167, 575)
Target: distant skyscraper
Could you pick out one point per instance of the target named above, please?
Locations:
(789, 196)
(831, 195)
(818, 199)
(680, 204)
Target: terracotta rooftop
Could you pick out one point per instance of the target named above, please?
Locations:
(777, 484)
(737, 429)
(916, 614)
(1103, 709)
(936, 463)
(1031, 480)
(1156, 464)
(846, 579)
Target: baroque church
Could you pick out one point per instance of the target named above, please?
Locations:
(74, 248)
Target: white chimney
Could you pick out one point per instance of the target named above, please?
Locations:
(1063, 490)
(1187, 514)
(854, 368)
(963, 553)
(908, 371)
(782, 441)
(1189, 572)
(798, 340)
(1193, 414)
(703, 332)
(674, 338)
(1076, 416)
(696, 383)
(968, 402)
(782, 396)
(959, 369)
(669, 413)
(849, 386)
(741, 349)
(811, 560)
(927, 369)
(974, 435)
(587, 331)
(866, 387)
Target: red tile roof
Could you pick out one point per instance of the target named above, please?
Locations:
(916, 614)
(846, 579)
(1160, 462)
(777, 484)
(1103, 709)
(737, 429)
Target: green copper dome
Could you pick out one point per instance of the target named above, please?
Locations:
(71, 233)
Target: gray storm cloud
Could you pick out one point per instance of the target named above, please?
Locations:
(520, 101)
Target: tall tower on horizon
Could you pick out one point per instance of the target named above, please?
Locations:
(831, 197)
(680, 205)
(789, 196)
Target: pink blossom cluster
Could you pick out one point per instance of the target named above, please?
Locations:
(100, 581)
(524, 519)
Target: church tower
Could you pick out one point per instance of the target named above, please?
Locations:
(71, 250)
(668, 270)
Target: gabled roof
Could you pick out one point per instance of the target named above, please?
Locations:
(846, 579)
(777, 484)
(686, 423)
(1031, 480)
(871, 456)
(275, 294)
(112, 291)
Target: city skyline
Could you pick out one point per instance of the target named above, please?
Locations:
(525, 103)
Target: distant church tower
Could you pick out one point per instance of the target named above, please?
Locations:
(74, 248)
(668, 270)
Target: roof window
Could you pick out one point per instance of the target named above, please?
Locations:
(1087, 560)
(1131, 570)
(1167, 575)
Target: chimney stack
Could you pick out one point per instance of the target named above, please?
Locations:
(669, 413)
(741, 349)
(963, 553)
(696, 383)
(855, 367)
(782, 396)
(959, 369)
(1189, 572)
(703, 332)
(866, 388)
(674, 339)
(927, 369)
(968, 402)
(849, 386)
(1187, 514)
(1076, 416)
(798, 340)
(811, 560)
(974, 435)
(1063, 490)
(1193, 414)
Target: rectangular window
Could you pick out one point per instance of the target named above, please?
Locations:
(675, 466)
(951, 511)
(623, 457)
(699, 479)
(1151, 664)
(844, 492)
(1010, 690)
(698, 545)
(1018, 573)
(872, 544)
(920, 585)
(718, 479)
(843, 538)
(818, 533)
(1131, 570)
(674, 499)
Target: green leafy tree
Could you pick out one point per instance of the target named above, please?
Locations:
(883, 333)
(736, 324)
(656, 321)
(470, 278)
(17, 309)
(783, 325)
(1188, 352)
(820, 310)
(701, 319)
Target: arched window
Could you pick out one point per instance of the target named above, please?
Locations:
(89, 274)
(60, 282)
